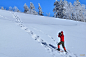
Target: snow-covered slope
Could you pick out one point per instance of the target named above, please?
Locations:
(19, 31)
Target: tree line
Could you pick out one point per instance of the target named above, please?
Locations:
(28, 10)
(62, 9)
(67, 10)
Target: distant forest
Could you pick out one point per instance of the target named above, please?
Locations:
(62, 9)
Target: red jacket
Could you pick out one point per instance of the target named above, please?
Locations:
(61, 37)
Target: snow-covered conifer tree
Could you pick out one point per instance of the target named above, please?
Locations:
(55, 10)
(77, 8)
(10, 8)
(83, 13)
(16, 9)
(48, 14)
(2, 8)
(59, 10)
(66, 9)
(32, 9)
(26, 8)
(40, 9)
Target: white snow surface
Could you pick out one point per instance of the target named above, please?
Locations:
(21, 35)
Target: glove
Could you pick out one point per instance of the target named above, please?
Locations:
(60, 34)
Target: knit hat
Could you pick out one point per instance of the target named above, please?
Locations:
(62, 32)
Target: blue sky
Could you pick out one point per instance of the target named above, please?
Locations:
(47, 5)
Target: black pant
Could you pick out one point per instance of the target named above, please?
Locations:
(61, 43)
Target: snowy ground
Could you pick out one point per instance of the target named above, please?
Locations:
(19, 31)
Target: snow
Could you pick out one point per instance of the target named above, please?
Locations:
(21, 35)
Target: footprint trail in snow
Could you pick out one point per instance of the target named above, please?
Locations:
(47, 46)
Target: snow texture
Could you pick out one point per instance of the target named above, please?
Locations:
(37, 35)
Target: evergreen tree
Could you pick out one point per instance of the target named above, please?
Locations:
(48, 14)
(26, 9)
(32, 9)
(55, 10)
(59, 9)
(77, 10)
(69, 9)
(83, 13)
(80, 11)
(2, 8)
(16, 9)
(40, 9)
(66, 10)
(10, 8)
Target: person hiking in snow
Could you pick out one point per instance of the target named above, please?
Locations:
(61, 35)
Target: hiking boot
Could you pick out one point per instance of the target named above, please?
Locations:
(58, 49)
(65, 51)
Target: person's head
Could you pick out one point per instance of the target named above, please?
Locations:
(61, 32)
